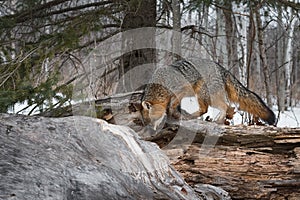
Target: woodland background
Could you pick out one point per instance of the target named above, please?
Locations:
(43, 44)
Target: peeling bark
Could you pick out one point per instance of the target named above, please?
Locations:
(249, 162)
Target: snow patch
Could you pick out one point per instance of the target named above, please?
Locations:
(290, 118)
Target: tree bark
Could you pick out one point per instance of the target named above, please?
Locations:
(220, 50)
(231, 40)
(176, 37)
(280, 70)
(139, 14)
(288, 59)
(249, 162)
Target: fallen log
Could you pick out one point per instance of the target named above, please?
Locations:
(250, 162)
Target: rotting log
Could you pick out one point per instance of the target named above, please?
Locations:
(249, 162)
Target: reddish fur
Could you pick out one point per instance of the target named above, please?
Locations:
(161, 99)
(249, 102)
(198, 89)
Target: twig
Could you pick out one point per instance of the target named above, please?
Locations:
(17, 67)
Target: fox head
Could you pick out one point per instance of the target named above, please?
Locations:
(153, 114)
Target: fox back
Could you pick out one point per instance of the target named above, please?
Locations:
(176, 75)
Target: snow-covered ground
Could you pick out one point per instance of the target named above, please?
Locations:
(290, 118)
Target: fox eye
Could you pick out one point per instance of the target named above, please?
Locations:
(146, 105)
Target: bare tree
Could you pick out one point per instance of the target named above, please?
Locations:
(177, 28)
(263, 56)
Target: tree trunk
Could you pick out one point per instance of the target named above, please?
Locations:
(220, 50)
(231, 40)
(176, 40)
(140, 14)
(250, 50)
(258, 75)
(280, 70)
(204, 40)
(288, 58)
(263, 58)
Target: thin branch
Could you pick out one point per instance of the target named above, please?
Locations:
(99, 39)
(194, 29)
(291, 4)
(81, 7)
(35, 12)
(280, 66)
(19, 62)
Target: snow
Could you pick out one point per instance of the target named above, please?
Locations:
(22, 108)
(290, 118)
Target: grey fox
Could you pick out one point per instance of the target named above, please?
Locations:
(209, 82)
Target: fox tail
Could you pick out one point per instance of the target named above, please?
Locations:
(248, 100)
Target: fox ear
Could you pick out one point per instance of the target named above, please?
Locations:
(146, 105)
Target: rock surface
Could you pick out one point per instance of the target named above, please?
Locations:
(80, 158)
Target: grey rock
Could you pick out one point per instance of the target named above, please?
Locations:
(80, 158)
